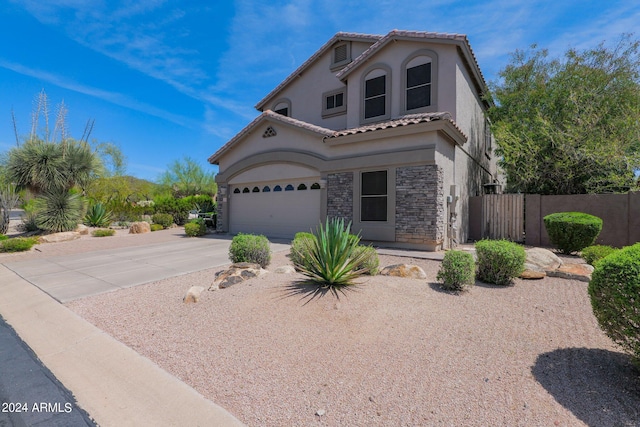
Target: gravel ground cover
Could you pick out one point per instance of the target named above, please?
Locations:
(388, 352)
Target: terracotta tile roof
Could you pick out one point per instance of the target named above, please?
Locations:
(409, 119)
(337, 37)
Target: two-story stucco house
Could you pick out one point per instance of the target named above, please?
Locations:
(388, 132)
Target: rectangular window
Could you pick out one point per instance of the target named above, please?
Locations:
(373, 196)
(375, 97)
(419, 86)
(333, 103)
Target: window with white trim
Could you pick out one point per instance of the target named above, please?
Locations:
(373, 196)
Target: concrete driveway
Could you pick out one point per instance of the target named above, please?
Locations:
(69, 277)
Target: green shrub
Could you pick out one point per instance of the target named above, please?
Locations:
(299, 246)
(572, 231)
(97, 216)
(195, 228)
(202, 203)
(499, 261)
(18, 244)
(125, 211)
(331, 260)
(3, 237)
(250, 248)
(457, 271)
(59, 211)
(615, 297)
(593, 254)
(103, 232)
(177, 208)
(163, 219)
(156, 227)
(371, 262)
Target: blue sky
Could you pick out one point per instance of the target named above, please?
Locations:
(169, 79)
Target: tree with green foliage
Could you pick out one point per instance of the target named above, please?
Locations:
(187, 178)
(570, 125)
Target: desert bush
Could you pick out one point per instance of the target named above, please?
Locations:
(457, 271)
(17, 244)
(103, 232)
(177, 208)
(125, 211)
(195, 228)
(614, 290)
(156, 227)
(250, 248)
(59, 211)
(572, 231)
(202, 203)
(3, 237)
(97, 216)
(299, 246)
(331, 260)
(593, 254)
(371, 262)
(499, 261)
(163, 219)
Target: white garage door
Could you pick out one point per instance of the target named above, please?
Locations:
(275, 210)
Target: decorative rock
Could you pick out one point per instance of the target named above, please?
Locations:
(404, 270)
(82, 229)
(320, 412)
(193, 294)
(237, 273)
(533, 275)
(581, 272)
(139, 228)
(285, 269)
(63, 236)
(542, 260)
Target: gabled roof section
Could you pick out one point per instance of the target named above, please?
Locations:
(342, 36)
(269, 115)
(409, 119)
(460, 40)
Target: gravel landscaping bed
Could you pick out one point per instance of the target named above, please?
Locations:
(389, 352)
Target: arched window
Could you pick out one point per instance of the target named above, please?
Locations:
(266, 189)
(375, 87)
(302, 187)
(315, 186)
(277, 188)
(255, 190)
(245, 190)
(236, 191)
(283, 107)
(419, 82)
(289, 187)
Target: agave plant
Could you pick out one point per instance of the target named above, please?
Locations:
(331, 259)
(98, 216)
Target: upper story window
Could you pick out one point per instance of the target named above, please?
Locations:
(283, 107)
(419, 72)
(334, 102)
(341, 55)
(376, 94)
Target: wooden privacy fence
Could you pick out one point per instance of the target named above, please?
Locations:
(498, 216)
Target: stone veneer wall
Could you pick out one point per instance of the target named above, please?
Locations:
(420, 212)
(219, 209)
(340, 195)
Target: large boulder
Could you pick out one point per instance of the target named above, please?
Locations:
(82, 229)
(140, 228)
(581, 272)
(541, 260)
(404, 270)
(63, 236)
(238, 272)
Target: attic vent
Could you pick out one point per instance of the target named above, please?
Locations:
(340, 53)
(269, 132)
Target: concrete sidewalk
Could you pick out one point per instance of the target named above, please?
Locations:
(113, 383)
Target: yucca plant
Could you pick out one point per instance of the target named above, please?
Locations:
(59, 211)
(97, 216)
(331, 260)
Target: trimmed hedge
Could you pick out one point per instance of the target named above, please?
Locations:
(156, 227)
(300, 245)
(371, 260)
(615, 297)
(572, 231)
(593, 254)
(250, 248)
(195, 228)
(457, 271)
(499, 261)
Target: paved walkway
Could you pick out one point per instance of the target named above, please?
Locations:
(111, 382)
